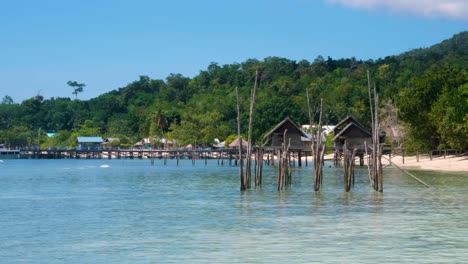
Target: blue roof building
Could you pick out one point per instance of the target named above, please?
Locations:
(89, 143)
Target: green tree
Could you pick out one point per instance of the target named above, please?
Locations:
(416, 102)
(77, 87)
(7, 100)
(199, 129)
(119, 124)
(18, 136)
(449, 114)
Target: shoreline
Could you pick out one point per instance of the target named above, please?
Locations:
(451, 163)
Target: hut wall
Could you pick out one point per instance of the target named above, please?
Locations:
(277, 140)
(353, 143)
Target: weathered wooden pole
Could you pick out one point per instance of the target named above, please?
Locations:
(319, 152)
(299, 159)
(249, 137)
(348, 166)
(370, 98)
(375, 168)
(280, 169)
(287, 161)
(239, 138)
(378, 145)
(258, 166)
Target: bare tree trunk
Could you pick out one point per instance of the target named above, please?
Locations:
(249, 138)
(312, 145)
(378, 156)
(348, 166)
(284, 173)
(259, 165)
(318, 153)
(375, 169)
(241, 169)
(370, 98)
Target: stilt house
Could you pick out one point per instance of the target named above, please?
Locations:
(294, 134)
(352, 132)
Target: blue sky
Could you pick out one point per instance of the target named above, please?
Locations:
(107, 44)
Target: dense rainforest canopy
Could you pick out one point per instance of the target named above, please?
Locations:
(423, 101)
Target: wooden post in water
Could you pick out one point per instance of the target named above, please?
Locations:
(306, 162)
(375, 168)
(258, 166)
(280, 169)
(318, 153)
(272, 158)
(248, 163)
(348, 166)
(239, 138)
(299, 159)
(288, 165)
(284, 173)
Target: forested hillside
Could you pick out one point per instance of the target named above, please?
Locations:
(424, 92)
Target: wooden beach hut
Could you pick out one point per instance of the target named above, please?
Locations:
(235, 143)
(294, 134)
(350, 131)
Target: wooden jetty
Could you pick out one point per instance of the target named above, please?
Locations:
(129, 154)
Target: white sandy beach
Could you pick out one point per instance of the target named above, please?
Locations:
(449, 163)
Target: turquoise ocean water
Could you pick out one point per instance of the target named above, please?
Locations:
(127, 211)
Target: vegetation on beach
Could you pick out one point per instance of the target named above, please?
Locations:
(424, 92)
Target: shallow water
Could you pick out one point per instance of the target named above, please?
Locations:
(127, 211)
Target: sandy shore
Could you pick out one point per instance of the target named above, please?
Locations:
(449, 163)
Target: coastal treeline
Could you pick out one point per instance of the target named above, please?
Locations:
(423, 95)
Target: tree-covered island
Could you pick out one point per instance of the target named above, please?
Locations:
(423, 95)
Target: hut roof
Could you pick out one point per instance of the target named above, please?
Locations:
(349, 127)
(235, 143)
(344, 122)
(89, 139)
(282, 124)
(51, 134)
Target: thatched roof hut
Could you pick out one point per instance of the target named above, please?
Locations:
(349, 130)
(235, 143)
(293, 134)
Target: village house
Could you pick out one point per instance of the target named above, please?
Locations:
(294, 135)
(89, 143)
(350, 131)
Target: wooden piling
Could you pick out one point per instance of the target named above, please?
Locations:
(348, 166)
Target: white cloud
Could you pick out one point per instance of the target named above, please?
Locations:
(452, 9)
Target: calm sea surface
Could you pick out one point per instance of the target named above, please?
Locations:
(127, 211)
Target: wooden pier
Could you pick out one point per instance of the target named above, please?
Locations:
(128, 154)
(227, 155)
